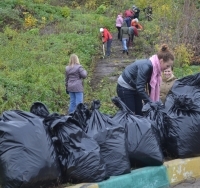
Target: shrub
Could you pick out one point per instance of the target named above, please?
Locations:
(29, 21)
(183, 55)
(10, 33)
(101, 9)
(65, 11)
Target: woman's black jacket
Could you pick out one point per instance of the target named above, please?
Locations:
(138, 75)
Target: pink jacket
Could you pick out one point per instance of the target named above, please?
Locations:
(119, 21)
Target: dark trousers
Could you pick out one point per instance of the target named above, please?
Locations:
(128, 21)
(130, 41)
(119, 29)
(109, 42)
(131, 99)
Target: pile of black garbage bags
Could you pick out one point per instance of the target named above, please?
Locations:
(42, 149)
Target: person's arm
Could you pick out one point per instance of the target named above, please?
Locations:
(121, 20)
(142, 77)
(66, 82)
(82, 72)
(139, 27)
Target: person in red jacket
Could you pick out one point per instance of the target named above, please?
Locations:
(135, 23)
(128, 16)
(106, 38)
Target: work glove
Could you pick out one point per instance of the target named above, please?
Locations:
(67, 91)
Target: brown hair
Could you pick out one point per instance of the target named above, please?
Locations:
(165, 54)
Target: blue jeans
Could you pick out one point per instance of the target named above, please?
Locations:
(75, 99)
(131, 99)
(124, 44)
(109, 42)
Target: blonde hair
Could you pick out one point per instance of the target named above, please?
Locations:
(73, 60)
(165, 54)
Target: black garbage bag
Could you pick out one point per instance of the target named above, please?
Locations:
(78, 153)
(143, 143)
(82, 114)
(39, 109)
(27, 154)
(111, 138)
(157, 116)
(183, 123)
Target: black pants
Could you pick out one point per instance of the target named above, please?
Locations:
(131, 99)
(119, 29)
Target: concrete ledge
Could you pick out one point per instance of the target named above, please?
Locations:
(179, 170)
(84, 185)
(171, 173)
(148, 177)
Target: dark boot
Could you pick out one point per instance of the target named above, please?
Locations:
(123, 51)
(127, 52)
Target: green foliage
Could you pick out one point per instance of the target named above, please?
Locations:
(34, 31)
(39, 1)
(33, 60)
(186, 70)
(183, 55)
(65, 11)
(10, 17)
(91, 4)
(101, 9)
(32, 65)
(10, 33)
(105, 93)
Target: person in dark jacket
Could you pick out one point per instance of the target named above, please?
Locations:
(133, 31)
(148, 12)
(131, 87)
(124, 37)
(136, 11)
(74, 75)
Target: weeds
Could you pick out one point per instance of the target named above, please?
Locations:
(33, 57)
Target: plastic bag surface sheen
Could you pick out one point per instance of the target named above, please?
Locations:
(142, 139)
(78, 153)
(183, 123)
(157, 117)
(27, 154)
(111, 138)
(39, 109)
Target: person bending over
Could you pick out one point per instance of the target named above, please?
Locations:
(131, 84)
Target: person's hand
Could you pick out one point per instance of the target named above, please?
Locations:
(155, 105)
(103, 42)
(67, 91)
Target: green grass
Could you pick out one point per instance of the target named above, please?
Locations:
(33, 59)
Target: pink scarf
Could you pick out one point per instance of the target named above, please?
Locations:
(155, 78)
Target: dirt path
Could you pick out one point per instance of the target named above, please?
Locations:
(112, 66)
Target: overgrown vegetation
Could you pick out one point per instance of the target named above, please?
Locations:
(37, 37)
